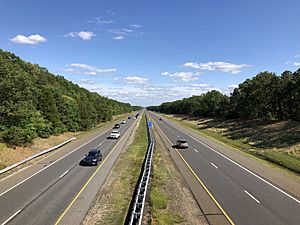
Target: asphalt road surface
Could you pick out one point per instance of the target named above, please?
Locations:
(247, 198)
(43, 197)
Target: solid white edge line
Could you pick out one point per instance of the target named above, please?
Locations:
(195, 150)
(64, 174)
(242, 167)
(101, 143)
(52, 164)
(214, 165)
(255, 199)
(11, 217)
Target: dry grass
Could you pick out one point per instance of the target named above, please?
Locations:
(9, 156)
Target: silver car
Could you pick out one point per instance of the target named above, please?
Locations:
(182, 143)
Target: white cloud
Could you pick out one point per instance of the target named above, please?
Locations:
(79, 68)
(217, 66)
(124, 32)
(135, 80)
(181, 76)
(297, 64)
(145, 94)
(100, 21)
(297, 56)
(111, 12)
(30, 40)
(201, 85)
(135, 26)
(119, 31)
(233, 86)
(84, 35)
(119, 37)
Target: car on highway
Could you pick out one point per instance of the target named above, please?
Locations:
(181, 143)
(92, 158)
(160, 119)
(123, 121)
(116, 126)
(129, 117)
(115, 134)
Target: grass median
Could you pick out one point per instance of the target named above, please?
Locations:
(112, 203)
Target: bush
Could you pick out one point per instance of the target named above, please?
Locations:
(18, 136)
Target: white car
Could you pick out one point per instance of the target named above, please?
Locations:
(123, 121)
(115, 134)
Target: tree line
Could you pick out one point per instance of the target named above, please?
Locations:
(34, 102)
(266, 96)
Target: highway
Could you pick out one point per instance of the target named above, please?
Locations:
(246, 197)
(44, 196)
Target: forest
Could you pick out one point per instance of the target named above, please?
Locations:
(35, 103)
(266, 96)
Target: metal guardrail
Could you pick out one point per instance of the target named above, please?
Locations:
(35, 155)
(135, 214)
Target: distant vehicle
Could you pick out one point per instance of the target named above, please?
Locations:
(115, 134)
(129, 117)
(182, 143)
(160, 118)
(123, 121)
(116, 126)
(92, 158)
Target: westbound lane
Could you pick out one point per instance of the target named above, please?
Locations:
(246, 198)
(46, 194)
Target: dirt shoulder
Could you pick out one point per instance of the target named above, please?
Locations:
(170, 200)
(113, 199)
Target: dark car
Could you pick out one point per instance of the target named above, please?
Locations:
(116, 126)
(92, 158)
(129, 117)
(160, 119)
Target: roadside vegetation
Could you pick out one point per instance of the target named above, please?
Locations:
(36, 103)
(112, 203)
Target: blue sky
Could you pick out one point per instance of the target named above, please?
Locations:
(148, 52)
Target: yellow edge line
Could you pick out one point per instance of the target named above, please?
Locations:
(200, 181)
(89, 180)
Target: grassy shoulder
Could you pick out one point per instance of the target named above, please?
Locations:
(170, 200)
(276, 142)
(9, 155)
(112, 203)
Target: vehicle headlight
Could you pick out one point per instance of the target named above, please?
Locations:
(94, 160)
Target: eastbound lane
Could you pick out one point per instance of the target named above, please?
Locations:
(44, 196)
(246, 198)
